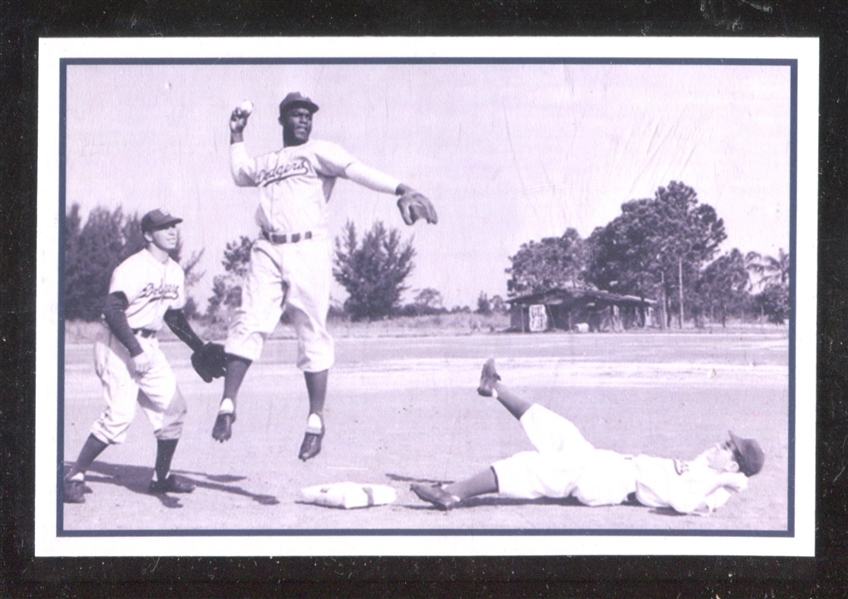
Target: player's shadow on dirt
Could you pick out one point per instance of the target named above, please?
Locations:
(667, 511)
(132, 478)
(137, 479)
(215, 482)
(564, 502)
(496, 500)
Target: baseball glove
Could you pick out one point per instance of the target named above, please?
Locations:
(413, 205)
(209, 361)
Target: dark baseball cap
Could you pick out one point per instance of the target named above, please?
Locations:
(749, 455)
(297, 99)
(158, 219)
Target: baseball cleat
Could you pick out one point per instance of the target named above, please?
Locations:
(436, 495)
(74, 491)
(223, 428)
(311, 445)
(488, 378)
(172, 484)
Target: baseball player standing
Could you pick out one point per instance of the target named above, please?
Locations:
(146, 290)
(290, 263)
(564, 464)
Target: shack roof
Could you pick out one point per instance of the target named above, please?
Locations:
(560, 296)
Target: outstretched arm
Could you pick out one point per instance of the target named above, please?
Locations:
(412, 205)
(372, 178)
(178, 323)
(207, 359)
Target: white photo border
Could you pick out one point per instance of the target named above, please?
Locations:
(800, 542)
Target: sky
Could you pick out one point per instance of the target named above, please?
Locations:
(508, 153)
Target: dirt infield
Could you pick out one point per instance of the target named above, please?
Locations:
(404, 410)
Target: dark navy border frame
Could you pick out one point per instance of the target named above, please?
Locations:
(793, 174)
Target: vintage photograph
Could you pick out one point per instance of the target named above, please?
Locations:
(510, 298)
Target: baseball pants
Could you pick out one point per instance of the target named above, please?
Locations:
(156, 391)
(294, 277)
(564, 464)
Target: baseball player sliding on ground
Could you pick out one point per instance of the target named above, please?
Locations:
(146, 290)
(290, 264)
(564, 464)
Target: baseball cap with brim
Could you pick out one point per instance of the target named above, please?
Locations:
(297, 99)
(749, 455)
(158, 219)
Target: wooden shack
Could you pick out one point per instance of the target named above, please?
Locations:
(584, 310)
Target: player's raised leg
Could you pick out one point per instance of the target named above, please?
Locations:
(236, 369)
(307, 306)
(446, 497)
(316, 387)
(491, 386)
(262, 303)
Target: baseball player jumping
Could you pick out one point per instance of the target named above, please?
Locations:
(564, 464)
(291, 264)
(146, 290)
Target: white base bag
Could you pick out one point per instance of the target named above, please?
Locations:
(348, 495)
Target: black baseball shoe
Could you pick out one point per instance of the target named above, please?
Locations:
(74, 491)
(488, 378)
(311, 444)
(436, 495)
(172, 484)
(223, 428)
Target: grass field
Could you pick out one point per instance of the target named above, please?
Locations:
(404, 409)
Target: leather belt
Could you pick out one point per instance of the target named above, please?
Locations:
(144, 332)
(283, 238)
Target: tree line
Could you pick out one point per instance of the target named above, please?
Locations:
(373, 269)
(662, 248)
(92, 251)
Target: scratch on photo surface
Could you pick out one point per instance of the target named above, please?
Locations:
(719, 15)
(153, 568)
(763, 6)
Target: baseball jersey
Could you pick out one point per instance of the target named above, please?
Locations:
(687, 487)
(151, 288)
(294, 182)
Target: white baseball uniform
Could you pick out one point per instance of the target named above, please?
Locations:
(151, 288)
(295, 184)
(565, 464)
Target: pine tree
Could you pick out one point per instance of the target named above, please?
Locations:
(372, 271)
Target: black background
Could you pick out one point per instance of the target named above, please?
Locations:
(22, 23)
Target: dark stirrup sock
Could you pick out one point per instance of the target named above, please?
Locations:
(165, 449)
(236, 369)
(92, 448)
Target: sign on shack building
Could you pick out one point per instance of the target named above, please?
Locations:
(582, 310)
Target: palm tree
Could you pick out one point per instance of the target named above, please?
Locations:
(769, 269)
(772, 272)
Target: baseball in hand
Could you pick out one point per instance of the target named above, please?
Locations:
(245, 108)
